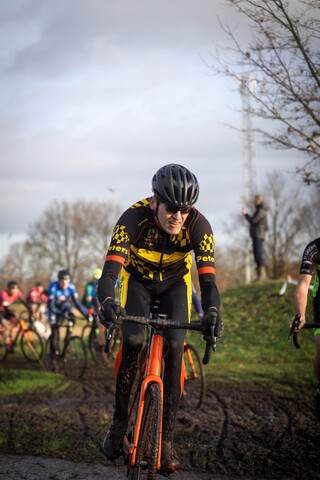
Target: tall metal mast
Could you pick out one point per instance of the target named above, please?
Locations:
(250, 175)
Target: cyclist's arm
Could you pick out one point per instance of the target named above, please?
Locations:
(301, 297)
(51, 303)
(81, 308)
(117, 254)
(23, 301)
(203, 241)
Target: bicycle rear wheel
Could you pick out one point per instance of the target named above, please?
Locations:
(149, 436)
(75, 358)
(194, 389)
(31, 345)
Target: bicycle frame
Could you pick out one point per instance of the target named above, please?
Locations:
(66, 339)
(153, 367)
(22, 329)
(151, 374)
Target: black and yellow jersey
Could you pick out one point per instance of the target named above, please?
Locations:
(145, 250)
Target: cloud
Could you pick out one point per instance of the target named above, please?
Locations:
(97, 94)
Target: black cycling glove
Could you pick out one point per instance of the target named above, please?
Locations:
(211, 317)
(110, 312)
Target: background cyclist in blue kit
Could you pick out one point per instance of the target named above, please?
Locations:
(58, 305)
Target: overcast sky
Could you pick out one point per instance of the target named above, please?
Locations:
(98, 94)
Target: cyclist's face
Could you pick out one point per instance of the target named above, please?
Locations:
(13, 291)
(64, 283)
(171, 220)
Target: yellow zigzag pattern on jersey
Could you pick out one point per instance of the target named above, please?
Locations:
(141, 203)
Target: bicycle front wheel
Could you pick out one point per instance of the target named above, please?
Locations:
(99, 356)
(31, 345)
(194, 389)
(75, 358)
(149, 436)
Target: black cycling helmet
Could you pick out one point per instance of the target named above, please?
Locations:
(12, 284)
(175, 186)
(64, 275)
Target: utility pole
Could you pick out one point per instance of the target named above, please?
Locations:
(250, 175)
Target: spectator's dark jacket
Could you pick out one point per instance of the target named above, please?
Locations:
(258, 221)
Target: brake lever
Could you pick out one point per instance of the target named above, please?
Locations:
(296, 323)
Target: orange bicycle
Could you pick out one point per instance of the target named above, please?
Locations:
(142, 443)
(30, 341)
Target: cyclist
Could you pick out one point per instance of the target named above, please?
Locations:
(7, 316)
(151, 244)
(196, 303)
(89, 288)
(36, 297)
(59, 293)
(310, 263)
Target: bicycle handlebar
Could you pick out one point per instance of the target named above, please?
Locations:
(159, 323)
(295, 324)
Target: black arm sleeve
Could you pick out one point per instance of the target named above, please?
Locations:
(210, 296)
(108, 280)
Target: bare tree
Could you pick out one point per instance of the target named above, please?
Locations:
(286, 225)
(310, 217)
(284, 57)
(15, 265)
(72, 235)
(286, 235)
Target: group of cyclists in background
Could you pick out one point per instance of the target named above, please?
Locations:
(150, 255)
(56, 301)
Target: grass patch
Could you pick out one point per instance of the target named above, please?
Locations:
(254, 346)
(18, 381)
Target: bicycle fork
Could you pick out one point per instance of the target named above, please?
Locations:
(152, 375)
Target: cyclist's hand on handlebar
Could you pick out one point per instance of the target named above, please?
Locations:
(297, 322)
(212, 318)
(110, 312)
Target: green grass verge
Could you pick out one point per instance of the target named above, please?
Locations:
(254, 347)
(15, 381)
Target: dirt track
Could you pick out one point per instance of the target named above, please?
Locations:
(241, 432)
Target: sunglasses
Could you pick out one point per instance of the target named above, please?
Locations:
(173, 210)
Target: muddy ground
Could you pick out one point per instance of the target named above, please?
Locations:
(241, 431)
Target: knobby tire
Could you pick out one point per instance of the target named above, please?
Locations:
(34, 352)
(149, 436)
(75, 358)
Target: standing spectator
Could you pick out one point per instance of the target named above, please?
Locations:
(310, 263)
(258, 227)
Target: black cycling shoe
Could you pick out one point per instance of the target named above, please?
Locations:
(169, 460)
(317, 405)
(113, 442)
